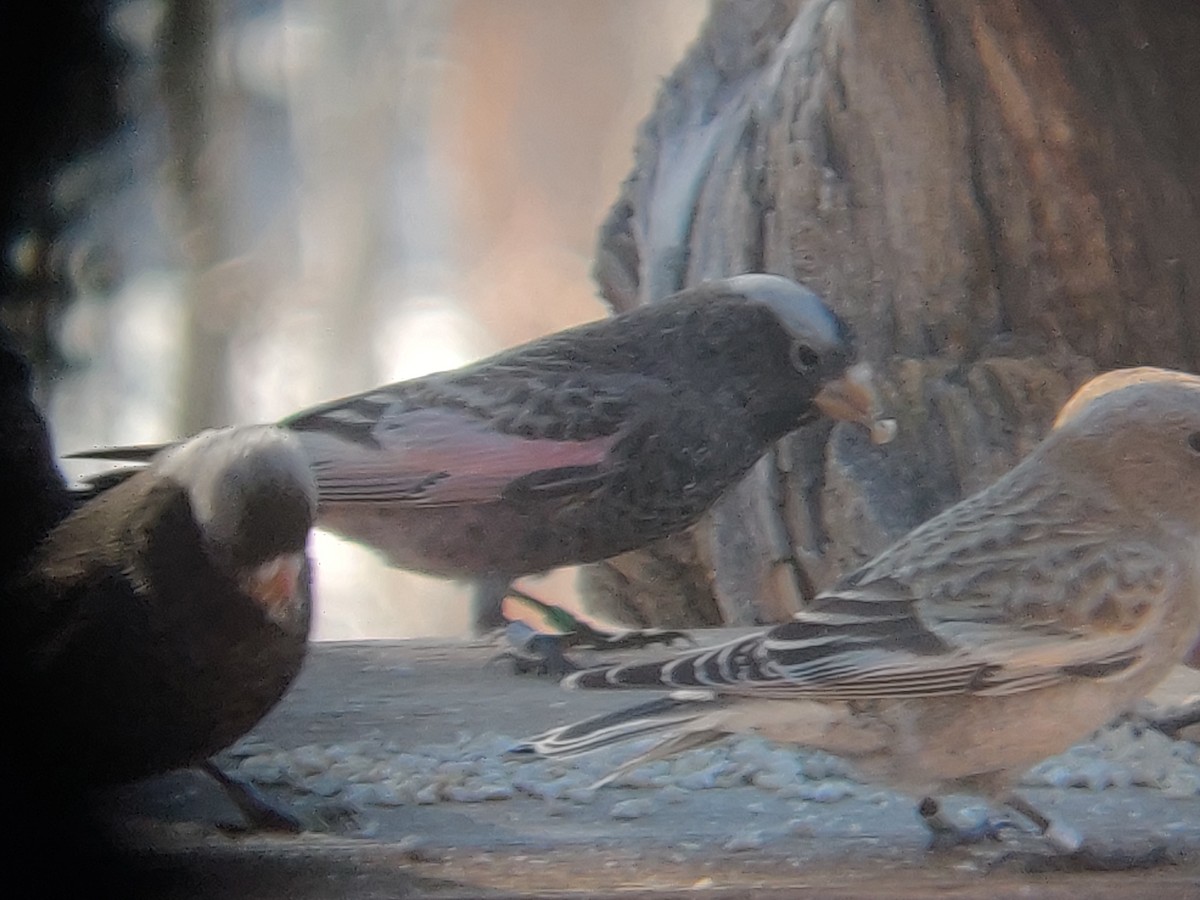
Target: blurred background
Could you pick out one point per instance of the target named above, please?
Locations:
(307, 199)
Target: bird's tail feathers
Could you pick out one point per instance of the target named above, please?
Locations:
(94, 485)
(726, 665)
(676, 743)
(131, 453)
(663, 714)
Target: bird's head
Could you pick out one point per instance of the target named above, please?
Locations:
(254, 499)
(1138, 430)
(821, 341)
(820, 348)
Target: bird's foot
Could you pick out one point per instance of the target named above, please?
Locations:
(545, 653)
(1072, 853)
(338, 817)
(579, 633)
(1173, 722)
(259, 813)
(535, 653)
(1086, 858)
(946, 834)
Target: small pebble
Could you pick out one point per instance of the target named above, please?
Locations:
(475, 769)
(828, 792)
(883, 431)
(801, 828)
(673, 794)
(580, 795)
(481, 793)
(753, 839)
(428, 795)
(416, 848)
(324, 785)
(632, 809)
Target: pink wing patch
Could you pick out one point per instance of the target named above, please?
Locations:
(439, 458)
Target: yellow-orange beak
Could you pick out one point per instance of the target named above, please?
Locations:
(275, 585)
(852, 398)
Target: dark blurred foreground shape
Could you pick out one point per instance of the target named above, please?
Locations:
(60, 67)
(1002, 198)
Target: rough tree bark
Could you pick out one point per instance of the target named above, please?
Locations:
(1001, 197)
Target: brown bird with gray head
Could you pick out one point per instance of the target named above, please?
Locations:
(998, 633)
(161, 620)
(583, 444)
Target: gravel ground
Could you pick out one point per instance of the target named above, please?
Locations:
(394, 753)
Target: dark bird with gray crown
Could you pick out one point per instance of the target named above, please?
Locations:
(583, 444)
(162, 619)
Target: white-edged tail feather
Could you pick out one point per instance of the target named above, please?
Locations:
(664, 714)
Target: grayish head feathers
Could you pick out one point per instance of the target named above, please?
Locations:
(799, 309)
(227, 470)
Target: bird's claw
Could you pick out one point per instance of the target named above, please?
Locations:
(575, 632)
(945, 834)
(259, 812)
(1174, 721)
(964, 836)
(536, 653)
(555, 666)
(1085, 859)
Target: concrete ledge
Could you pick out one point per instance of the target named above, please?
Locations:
(737, 841)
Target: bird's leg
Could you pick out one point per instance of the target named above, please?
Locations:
(257, 810)
(531, 651)
(1073, 854)
(1176, 720)
(1063, 838)
(945, 833)
(580, 634)
(536, 653)
(544, 653)
(488, 605)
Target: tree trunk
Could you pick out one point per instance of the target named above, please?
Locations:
(1000, 197)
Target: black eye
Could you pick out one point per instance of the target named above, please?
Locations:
(1193, 441)
(804, 358)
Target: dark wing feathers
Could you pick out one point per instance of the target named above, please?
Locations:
(532, 402)
(494, 431)
(438, 457)
(874, 639)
